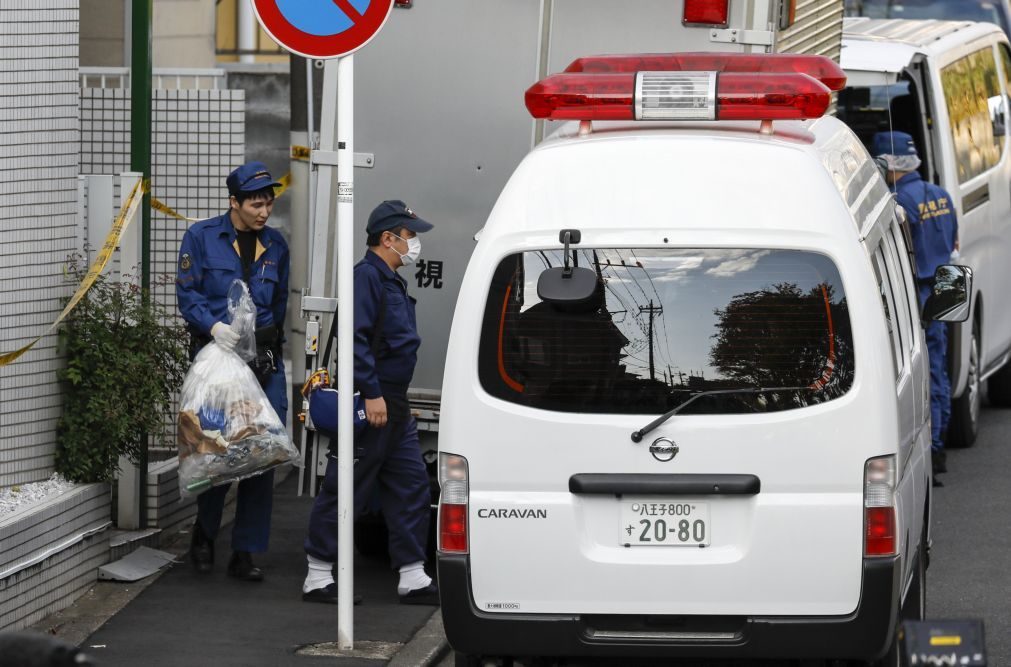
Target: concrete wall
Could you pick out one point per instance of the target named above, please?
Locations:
(102, 30)
(183, 33)
(268, 125)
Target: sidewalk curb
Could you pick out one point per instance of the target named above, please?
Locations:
(426, 647)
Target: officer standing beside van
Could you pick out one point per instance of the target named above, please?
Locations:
(388, 453)
(933, 227)
(238, 245)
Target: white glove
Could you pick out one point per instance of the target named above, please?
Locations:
(954, 256)
(225, 336)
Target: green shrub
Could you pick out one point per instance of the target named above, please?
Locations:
(124, 364)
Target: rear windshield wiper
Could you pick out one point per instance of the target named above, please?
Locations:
(637, 435)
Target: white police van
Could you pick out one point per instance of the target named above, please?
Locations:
(686, 407)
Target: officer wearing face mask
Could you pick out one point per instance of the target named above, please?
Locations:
(388, 452)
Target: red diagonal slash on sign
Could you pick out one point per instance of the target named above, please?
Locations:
(348, 10)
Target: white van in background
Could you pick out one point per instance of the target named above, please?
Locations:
(997, 12)
(946, 84)
(686, 410)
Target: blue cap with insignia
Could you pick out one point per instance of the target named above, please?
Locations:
(392, 214)
(250, 177)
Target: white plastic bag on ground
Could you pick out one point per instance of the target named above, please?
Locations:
(227, 427)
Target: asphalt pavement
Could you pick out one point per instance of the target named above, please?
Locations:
(970, 568)
(185, 618)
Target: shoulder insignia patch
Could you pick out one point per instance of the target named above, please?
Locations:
(185, 262)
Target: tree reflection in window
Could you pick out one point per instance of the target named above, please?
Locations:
(779, 336)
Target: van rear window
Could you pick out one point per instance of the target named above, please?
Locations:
(738, 331)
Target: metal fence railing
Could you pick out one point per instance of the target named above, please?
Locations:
(178, 78)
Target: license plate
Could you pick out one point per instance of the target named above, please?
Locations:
(652, 523)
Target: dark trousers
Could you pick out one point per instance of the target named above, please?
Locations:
(389, 457)
(936, 334)
(255, 497)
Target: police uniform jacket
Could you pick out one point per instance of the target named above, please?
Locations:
(208, 263)
(932, 222)
(391, 367)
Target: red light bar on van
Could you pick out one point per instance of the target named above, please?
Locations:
(677, 95)
(824, 69)
(706, 12)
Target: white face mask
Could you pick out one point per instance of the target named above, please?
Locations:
(413, 250)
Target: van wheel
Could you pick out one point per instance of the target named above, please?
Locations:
(998, 387)
(964, 426)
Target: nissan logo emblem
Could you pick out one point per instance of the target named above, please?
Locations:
(663, 450)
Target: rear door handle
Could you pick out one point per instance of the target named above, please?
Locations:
(653, 484)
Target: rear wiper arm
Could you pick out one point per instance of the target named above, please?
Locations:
(638, 435)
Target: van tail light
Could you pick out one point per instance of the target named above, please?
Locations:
(453, 501)
(879, 507)
(706, 12)
(664, 95)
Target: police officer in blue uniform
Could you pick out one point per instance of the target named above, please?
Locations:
(933, 227)
(238, 245)
(388, 452)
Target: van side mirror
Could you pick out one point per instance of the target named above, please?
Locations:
(949, 296)
(567, 285)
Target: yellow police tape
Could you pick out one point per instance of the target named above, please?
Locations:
(126, 214)
(162, 207)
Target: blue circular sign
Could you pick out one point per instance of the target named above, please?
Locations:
(322, 28)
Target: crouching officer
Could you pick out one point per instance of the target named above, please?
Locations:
(238, 245)
(388, 453)
(933, 228)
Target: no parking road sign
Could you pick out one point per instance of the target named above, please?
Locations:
(322, 28)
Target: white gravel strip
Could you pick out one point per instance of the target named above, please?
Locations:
(16, 497)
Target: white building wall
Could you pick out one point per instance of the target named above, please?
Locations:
(39, 149)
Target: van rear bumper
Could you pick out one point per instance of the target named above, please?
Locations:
(862, 635)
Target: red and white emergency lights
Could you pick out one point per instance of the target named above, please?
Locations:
(688, 86)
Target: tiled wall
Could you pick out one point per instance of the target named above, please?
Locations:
(39, 150)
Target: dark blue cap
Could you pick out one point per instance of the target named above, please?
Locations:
(250, 177)
(892, 143)
(392, 214)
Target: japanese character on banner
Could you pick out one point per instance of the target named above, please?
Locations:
(429, 273)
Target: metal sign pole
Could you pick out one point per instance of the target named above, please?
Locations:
(288, 28)
(345, 350)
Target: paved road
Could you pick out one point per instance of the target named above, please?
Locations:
(185, 618)
(970, 572)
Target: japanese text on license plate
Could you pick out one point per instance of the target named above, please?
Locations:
(664, 524)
